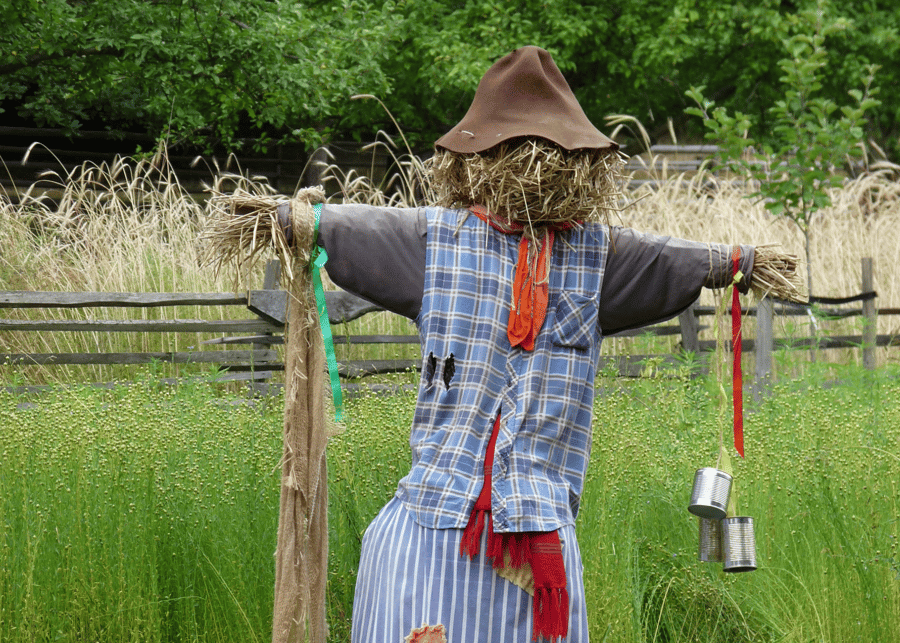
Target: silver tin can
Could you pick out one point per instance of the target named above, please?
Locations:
(710, 549)
(709, 497)
(739, 544)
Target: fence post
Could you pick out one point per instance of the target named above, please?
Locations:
(270, 282)
(870, 318)
(690, 329)
(765, 343)
(272, 275)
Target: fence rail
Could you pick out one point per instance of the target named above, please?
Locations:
(246, 349)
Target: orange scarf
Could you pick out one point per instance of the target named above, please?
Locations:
(531, 287)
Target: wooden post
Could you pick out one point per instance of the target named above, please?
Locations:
(272, 275)
(690, 337)
(270, 282)
(765, 343)
(279, 169)
(690, 329)
(870, 317)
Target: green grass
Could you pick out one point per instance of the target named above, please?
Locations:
(148, 513)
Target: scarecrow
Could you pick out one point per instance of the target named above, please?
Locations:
(512, 277)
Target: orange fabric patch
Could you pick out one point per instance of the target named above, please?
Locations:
(427, 634)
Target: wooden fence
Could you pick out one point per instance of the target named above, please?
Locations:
(26, 154)
(246, 348)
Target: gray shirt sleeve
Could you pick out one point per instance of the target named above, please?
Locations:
(376, 253)
(650, 278)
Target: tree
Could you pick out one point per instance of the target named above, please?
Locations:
(811, 138)
(249, 68)
(211, 71)
(635, 57)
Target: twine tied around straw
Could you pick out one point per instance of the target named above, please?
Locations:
(776, 274)
(241, 226)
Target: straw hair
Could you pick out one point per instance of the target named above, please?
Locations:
(530, 181)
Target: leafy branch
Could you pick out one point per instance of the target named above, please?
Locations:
(36, 60)
(812, 140)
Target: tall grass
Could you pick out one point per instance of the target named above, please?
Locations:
(148, 513)
(120, 516)
(129, 226)
(125, 226)
(819, 480)
(861, 222)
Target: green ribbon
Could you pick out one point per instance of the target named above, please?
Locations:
(317, 260)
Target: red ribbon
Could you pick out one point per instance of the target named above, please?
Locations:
(737, 379)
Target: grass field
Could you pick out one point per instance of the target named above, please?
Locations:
(148, 513)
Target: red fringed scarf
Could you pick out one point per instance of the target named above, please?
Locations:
(541, 550)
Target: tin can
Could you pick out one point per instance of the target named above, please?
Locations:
(710, 549)
(709, 497)
(739, 544)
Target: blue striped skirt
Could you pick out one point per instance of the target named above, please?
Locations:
(410, 576)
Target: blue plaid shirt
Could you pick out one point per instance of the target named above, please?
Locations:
(470, 373)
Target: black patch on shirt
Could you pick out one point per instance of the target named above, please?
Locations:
(430, 368)
(449, 370)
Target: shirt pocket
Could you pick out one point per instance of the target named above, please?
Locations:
(575, 321)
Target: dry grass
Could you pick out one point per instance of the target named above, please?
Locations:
(126, 226)
(863, 221)
(406, 185)
(130, 227)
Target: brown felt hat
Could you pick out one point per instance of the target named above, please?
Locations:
(524, 94)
